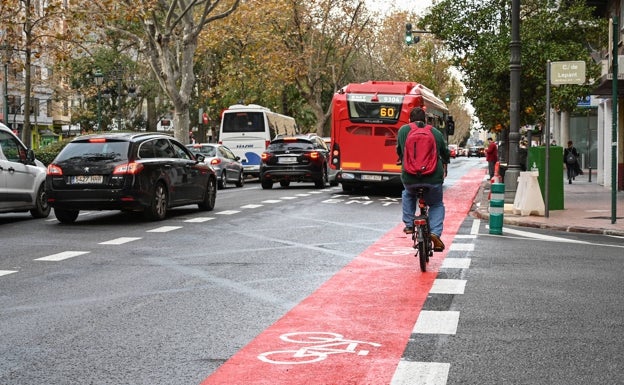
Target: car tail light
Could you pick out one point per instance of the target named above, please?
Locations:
(54, 170)
(97, 140)
(131, 168)
(314, 155)
(265, 156)
(215, 162)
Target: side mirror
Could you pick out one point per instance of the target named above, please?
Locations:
(200, 157)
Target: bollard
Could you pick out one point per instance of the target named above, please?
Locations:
(497, 191)
(497, 208)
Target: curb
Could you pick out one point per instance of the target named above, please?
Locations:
(480, 210)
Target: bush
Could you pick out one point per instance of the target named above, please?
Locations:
(47, 154)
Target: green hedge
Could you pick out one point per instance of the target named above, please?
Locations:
(47, 154)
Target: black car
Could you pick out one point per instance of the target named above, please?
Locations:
(298, 158)
(143, 172)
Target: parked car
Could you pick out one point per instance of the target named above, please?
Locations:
(142, 172)
(22, 177)
(453, 150)
(298, 158)
(227, 165)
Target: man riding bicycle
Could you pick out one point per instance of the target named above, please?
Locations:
(433, 182)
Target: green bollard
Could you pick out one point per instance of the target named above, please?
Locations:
(497, 208)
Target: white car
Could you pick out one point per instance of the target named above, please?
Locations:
(22, 177)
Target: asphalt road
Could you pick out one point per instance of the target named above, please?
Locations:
(113, 299)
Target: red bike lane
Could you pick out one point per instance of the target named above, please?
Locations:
(354, 328)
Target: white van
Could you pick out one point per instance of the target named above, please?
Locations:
(248, 129)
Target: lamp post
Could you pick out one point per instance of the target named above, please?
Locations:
(99, 78)
(5, 115)
(513, 167)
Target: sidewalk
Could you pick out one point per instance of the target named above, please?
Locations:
(587, 209)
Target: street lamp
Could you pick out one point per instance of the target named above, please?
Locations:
(99, 78)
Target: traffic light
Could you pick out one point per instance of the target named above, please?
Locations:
(450, 126)
(409, 38)
(447, 98)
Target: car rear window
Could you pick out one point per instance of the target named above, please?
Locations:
(108, 150)
(295, 144)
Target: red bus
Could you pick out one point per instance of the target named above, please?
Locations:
(366, 118)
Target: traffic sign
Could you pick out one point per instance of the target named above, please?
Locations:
(567, 72)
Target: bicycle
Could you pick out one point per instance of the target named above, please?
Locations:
(422, 232)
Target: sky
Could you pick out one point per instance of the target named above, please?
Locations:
(414, 5)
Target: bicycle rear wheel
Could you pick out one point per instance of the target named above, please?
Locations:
(423, 252)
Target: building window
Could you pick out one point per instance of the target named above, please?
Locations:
(15, 105)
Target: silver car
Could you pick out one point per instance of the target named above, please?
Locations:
(226, 165)
(22, 177)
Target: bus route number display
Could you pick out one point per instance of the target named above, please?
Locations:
(374, 106)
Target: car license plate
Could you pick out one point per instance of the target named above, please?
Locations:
(86, 179)
(371, 177)
(287, 159)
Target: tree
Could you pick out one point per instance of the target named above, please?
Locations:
(477, 35)
(166, 32)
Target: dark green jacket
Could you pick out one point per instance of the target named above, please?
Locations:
(443, 154)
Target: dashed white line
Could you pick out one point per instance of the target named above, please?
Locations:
(7, 272)
(164, 229)
(456, 263)
(228, 212)
(421, 373)
(251, 206)
(448, 286)
(272, 201)
(437, 322)
(62, 256)
(288, 198)
(199, 220)
(462, 246)
(119, 241)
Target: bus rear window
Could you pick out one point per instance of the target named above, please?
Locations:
(234, 122)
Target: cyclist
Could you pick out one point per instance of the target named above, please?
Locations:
(434, 194)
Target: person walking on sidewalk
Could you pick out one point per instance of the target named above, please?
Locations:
(570, 158)
(491, 155)
(433, 181)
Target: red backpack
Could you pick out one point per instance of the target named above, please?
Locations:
(420, 155)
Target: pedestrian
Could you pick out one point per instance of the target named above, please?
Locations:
(209, 134)
(570, 158)
(434, 194)
(491, 156)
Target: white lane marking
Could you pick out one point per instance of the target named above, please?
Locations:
(437, 322)
(316, 192)
(465, 236)
(541, 236)
(272, 201)
(228, 212)
(251, 206)
(421, 373)
(448, 286)
(199, 220)
(456, 263)
(462, 246)
(164, 229)
(288, 198)
(62, 256)
(303, 195)
(7, 272)
(119, 241)
(474, 230)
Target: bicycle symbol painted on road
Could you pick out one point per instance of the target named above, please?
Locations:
(319, 345)
(390, 251)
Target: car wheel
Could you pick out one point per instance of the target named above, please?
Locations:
(241, 180)
(322, 183)
(66, 216)
(42, 208)
(267, 184)
(223, 180)
(157, 210)
(210, 196)
(284, 183)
